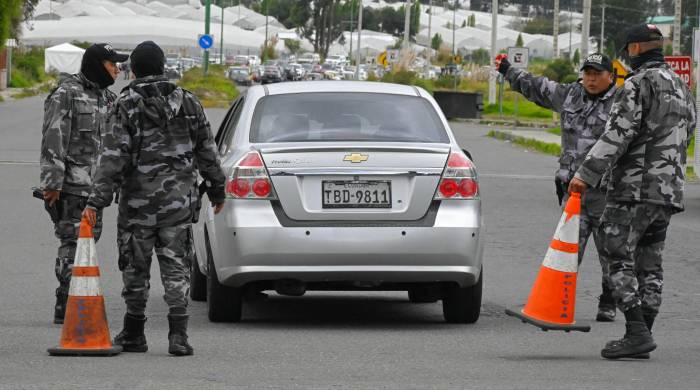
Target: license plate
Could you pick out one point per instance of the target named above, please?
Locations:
(356, 194)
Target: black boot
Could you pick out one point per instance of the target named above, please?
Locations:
(606, 307)
(637, 341)
(59, 311)
(131, 338)
(177, 337)
(649, 320)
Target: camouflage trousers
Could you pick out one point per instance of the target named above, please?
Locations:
(174, 251)
(592, 206)
(69, 211)
(633, 239)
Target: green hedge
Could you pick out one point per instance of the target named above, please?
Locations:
(214, 89)
(27, 68)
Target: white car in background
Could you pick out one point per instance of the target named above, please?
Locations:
(341, 186)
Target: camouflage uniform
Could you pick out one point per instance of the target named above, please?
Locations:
(582, 123)
(645, 142)
(74, 118)
(157, 139)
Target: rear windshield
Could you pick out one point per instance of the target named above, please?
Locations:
(346, 116)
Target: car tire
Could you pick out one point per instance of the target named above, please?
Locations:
(224, 302)
(198, 281)
(462, 305)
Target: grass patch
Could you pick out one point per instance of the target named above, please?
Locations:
(528, 143)
(691, 147)
(28, 68)
(213, 90)
(526, 109)
(690, 174)
(555, 131)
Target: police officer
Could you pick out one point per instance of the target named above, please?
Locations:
(584, 108)
(74, 117)
(645, 142)
(158, 138)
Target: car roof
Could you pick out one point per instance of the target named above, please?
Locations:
(338, 86)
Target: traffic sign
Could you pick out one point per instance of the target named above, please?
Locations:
(205, 41)
(621, 71)
(381, 59)
(11, 43)
(519, 57)
(682, 65)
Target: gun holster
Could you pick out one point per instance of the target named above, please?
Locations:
(561, 189)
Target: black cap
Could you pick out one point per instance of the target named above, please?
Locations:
(147, 59)
(598, 61)
(104, 51)
(642, 33)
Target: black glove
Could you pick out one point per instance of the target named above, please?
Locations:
(504, 66)
(561, 188)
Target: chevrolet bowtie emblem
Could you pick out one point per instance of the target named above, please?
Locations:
(356, 158)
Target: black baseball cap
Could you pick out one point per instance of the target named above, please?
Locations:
(598, 61)
(104, 51)
(642, 33)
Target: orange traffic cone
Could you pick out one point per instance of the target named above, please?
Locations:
(553, 297)
(85, 329)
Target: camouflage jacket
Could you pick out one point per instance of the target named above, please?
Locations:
(74, 119)
(646, 139)
(157, 139)
(582, 118)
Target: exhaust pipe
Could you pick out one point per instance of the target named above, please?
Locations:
(290, 287)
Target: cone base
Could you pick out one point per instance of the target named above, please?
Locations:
(58, 351)
(545, 326)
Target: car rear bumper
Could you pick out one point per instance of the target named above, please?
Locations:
(250, 244)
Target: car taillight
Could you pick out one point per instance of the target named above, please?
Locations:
(458, 179)
(250, 180)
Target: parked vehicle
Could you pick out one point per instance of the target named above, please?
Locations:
(272, 74)
(341, 186)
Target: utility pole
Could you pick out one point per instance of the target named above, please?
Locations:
(207, 15)
(407, 25)
(221, 39)
(602, 31)
(267, 2)
(359, 43)
(454, 21)
(555, 31)
(677, 29)
(352, 3)
(430, 37)
(494, 38)
(571, 28)
(585, 29)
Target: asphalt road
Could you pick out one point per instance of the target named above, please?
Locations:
(347, 340)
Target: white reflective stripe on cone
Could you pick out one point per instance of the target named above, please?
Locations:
(561, 261)
(85, 286)
(568, 231)
(85, 253)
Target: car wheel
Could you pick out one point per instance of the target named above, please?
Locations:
(198, 281)
(462, 305)
(224, 302)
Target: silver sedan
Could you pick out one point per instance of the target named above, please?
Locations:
(341, 186)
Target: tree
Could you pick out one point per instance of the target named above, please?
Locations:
(577, 58)
(471, 20)
(519, 42)
(436, 41)
(292, 45)
(558, 69)
(12, 14)
(481, 57)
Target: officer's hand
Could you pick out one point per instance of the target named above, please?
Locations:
(577, 185)
(217, 207)
(51, 196)
(91, 215)
(502, 64)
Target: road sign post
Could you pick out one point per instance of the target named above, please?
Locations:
(207, 16)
